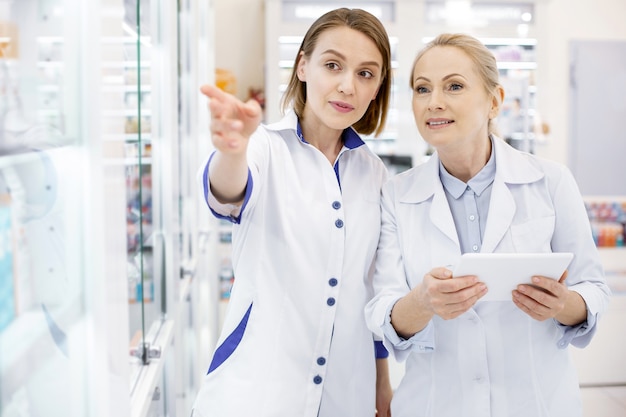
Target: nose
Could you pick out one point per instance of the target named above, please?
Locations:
(346, 84)
(435, 101)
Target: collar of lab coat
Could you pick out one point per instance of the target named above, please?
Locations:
(352, 139)
(512, 167)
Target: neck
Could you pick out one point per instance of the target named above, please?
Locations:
(465, 165)
(327, 141)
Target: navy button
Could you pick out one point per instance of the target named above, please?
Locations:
(317, 379)
(339, 223)
(332, 282)
(336, 205)
(330, 301)
(321, 361)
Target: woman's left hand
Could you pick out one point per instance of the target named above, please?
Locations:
(544, 299)
(383, 401)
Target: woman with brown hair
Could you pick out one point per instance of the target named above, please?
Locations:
(304, 198)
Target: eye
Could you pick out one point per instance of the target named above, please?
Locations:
(366, 74)
(456, 87)
(420, 89)
(333, 66)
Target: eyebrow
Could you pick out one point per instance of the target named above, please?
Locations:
(342, 56)
(454, 74)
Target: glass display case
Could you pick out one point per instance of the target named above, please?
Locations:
(104, 256)
(43, 317)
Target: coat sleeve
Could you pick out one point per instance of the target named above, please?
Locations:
(585, 274)
(390, 284)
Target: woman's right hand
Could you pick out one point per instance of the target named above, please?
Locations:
(438, 294)
(232, 120)
(449, 297)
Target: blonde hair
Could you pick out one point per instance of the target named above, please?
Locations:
(484, 62)
(376, 115)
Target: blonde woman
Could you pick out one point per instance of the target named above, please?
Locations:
(476, 193)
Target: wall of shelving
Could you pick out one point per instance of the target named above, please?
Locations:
(105, 261)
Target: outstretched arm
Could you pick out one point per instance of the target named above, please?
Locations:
(232, 124)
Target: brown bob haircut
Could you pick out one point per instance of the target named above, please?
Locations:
(374, 118)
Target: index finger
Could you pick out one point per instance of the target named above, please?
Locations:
(546, 283)
(212, 91)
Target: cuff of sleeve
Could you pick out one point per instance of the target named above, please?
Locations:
(381, 351)
(422, 341)
(230, 212)
(579, 335)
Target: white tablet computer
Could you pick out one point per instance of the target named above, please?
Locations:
(502, 272)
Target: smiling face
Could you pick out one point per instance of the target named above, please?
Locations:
(451, 105)
(342, 77)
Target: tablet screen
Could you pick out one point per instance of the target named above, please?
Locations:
(502, 272)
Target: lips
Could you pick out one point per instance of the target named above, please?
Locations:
(341, 106)
(439, 122)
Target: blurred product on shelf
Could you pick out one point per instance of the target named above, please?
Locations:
(257, 94)
(9, 40)
(225, 80)
(608, 221)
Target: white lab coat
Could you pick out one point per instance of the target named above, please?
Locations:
(303, 259)
(494, 360)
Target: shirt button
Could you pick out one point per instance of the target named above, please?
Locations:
(321, 361)
(317, 379)
(336, 205)
(332, 282)
(339, 223)
(330, 301)
(475, 248)
(472, 217)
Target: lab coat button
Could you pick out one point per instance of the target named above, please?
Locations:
(332, 282)
(317, 379)
(330, 301)
(339, 223)
(321, 361)
(336, 205)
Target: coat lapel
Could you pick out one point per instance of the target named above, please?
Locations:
(501, 212)
(441, 216)
(513, 167)
(426, 185)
